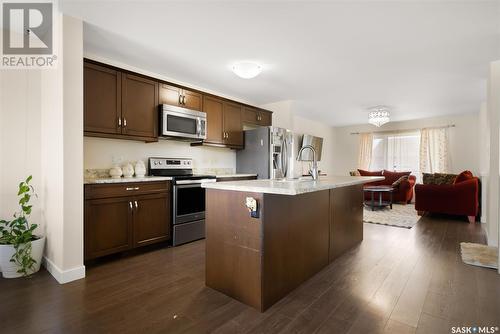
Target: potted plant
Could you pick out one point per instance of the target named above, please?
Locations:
(20, 250)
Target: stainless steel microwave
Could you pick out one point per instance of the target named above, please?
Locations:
(182, 123)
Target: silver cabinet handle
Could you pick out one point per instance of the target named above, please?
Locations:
(184, 99)
(180, 99)
(136, 205)
(130, 204)
(131, 188)
(124, 122)
(119, 121)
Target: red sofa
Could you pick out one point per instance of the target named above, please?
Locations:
(460, 198)
(403, 192)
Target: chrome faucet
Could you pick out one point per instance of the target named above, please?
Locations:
(314, 169)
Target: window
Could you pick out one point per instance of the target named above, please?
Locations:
(396, 152)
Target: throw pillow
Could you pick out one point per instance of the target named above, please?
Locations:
(428, 178)
(391, 177)
(354, 173)
(368, 173)
(464, 176)
(396, 183)
(438, 178)
(443, 178)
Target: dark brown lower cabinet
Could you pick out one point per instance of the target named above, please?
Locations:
(119, 217)
(149, 226)
(108, 226)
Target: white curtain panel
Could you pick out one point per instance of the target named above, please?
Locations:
(365, 150)
(434, 151)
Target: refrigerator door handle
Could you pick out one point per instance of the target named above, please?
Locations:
(284, 158)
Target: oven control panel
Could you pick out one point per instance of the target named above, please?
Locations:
(167, 163)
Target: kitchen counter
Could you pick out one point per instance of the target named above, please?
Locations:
(126, 179)
(266, 237)
(292, 187)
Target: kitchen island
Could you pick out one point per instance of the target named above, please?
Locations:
(265, 237)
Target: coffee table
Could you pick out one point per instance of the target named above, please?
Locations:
(378, 190)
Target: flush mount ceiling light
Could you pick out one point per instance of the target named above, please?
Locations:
(378, 115)
(247, 69)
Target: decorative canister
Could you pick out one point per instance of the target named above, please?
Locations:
(128, 170)
(140, 168)
(115, 172)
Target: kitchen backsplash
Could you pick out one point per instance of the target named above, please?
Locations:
(104, 173)
(101, 154)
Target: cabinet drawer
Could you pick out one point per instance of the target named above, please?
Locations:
(125, 189)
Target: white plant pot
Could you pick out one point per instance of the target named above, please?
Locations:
(9, 269)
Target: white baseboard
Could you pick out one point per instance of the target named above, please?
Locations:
(63, 276)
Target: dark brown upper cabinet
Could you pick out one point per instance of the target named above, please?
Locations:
(121, 104)
(118, 104)
(256, 116)
(214, 109)
(139, 106)
(224, 126)
(102, 99)
(180, 97)
(233, 126)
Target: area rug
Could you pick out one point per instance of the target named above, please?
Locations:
(400, 216)
(479, 255)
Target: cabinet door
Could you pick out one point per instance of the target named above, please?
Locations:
(191, 100)
(233, 126)
(102, 99)
(250, 115)
(169, 95)
(108, 226)
(213, 108)
(139, 106)
(265, 118)
(152, 219)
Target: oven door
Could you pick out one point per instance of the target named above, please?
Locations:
(189, 203)
(185, 124)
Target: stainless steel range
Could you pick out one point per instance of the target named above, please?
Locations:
(188, 200)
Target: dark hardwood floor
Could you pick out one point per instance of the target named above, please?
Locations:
(396, 281)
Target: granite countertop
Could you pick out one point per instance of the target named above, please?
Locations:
(234, 175)
(126, 179)
(292, 187)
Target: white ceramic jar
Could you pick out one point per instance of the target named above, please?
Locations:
(140, 168)
(128, 170)
(115, 172)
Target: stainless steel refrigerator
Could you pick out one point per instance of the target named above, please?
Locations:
(270, 152)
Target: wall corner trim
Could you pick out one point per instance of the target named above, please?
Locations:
(63, 276)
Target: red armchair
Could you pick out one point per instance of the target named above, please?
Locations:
(460, 198)
(403, 192)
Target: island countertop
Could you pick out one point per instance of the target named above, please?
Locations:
(292, 187)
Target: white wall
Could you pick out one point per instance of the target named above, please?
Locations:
(62, 154)
(20, 135)
(73, 141)
(100, 153)
(493, 172)
(484, 157)
(463, 141)
(41, 121)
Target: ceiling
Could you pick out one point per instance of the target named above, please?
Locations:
(332, 59)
